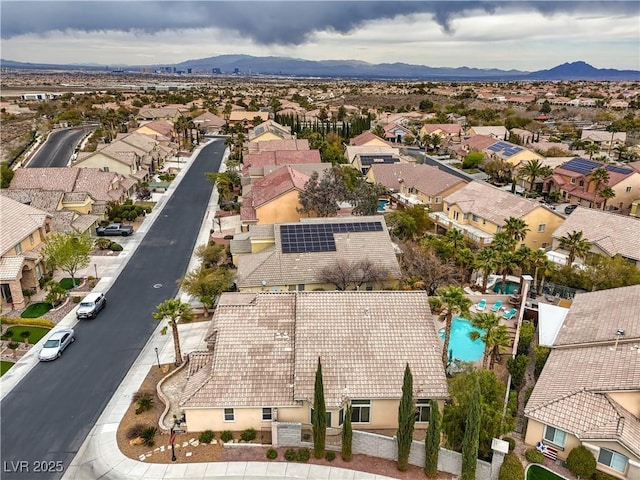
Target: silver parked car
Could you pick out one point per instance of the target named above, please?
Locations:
(56, 343)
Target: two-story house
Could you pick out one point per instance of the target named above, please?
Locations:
(479, 211)
(24, 229)
(589, 390)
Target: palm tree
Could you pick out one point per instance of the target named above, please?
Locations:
(606, 193)
(591, 149)
(494, 336)
(600, 178)
(451, 301)
(174, 311)
(537, 260)
(486, 262)
(516, 228)
(456, 238)
(547, 269)
(530, 171)
(621, 150)
(575, 245)
(507, 263)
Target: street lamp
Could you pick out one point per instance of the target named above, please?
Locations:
(158, 357)
(95, 267)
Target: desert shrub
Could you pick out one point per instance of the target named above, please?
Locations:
(139, 394)
(304, 454)
(598, 475)
(75, 299)
(134, 431)
(581, 462)
(144, 403)
(115, 247)
(534, 456)
(102, 243)
(226, 436)
(147, 434)
(511, 442)
(330, 455)
(511, 468)
(248, 435)
(207, 436)
(290, 455)
(272, 454)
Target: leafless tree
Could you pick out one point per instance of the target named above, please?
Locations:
(423, 263)
(343, 273)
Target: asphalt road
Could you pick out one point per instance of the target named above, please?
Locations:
(58, 148)
(47, 416)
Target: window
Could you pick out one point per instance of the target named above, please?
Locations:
(613, 460)
(267, 414)
(301, 287)
(581, 183)
(31, 238)
(541, 228)
(474, 218)
(328, 415)
(229, 415)
(423, 410)
(573, 180)
(439, 200)
(628, 190)
(554, 435)
(18, 248)
(341, 417)
(361, 410)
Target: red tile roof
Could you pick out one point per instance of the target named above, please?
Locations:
(366, 137)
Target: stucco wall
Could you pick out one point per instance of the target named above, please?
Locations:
(629, 400)
(537, 217)
(100, 161)
(279, 210)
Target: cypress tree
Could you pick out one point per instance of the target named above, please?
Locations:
(347, 436)
(406, 421)
(319, 415)
(472, 436)
(432, 442)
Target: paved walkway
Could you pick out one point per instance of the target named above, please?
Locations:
(99, 456)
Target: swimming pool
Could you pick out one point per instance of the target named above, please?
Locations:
(461, 346)
(511, 287)
(382, 203)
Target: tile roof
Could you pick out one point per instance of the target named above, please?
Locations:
(366, 137)
(208, 119)
(424, 178)
(10, 268)
(596, 317)
(277, 268)
(49, 201)
(490, 202)
(286, 144)
(612, 233)
(270, 126)
(163, 127)
(478, 142)
(279, 157)
(267, 346)
(450, 128)
(496, 131)
(62, 179)
(304, 168)
(18, 222)
(353, 150)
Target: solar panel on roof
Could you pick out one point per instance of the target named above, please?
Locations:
(581, 165)
(259, 130)
(615, 168)
(494, 148)
(303, 238)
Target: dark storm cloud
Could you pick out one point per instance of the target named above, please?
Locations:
(285, 23)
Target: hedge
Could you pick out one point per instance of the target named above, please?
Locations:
(31, 322)
(534, 456)
(511, 468)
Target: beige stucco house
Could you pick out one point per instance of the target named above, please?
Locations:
(263, 351)
(413, 184)
(292, 256)
(479, 211)
(510, 153)
(24, 229)
(268, 131)
(589, 390)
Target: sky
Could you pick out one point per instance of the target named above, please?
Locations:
(521, 35)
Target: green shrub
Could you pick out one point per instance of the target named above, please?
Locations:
(207, 436)
(144, 403)
(598, 475)
(534, 456)
(511, 442)
(527, 331)
(75, 299)
(226, 436)
(330, 455)
(134, 431)
(272, 454)
(248, 435)
(517, 368)
(102, 243)
(115, 247)
(511, 468)
(148, 434)
(581, 462)
(304, 454)
(541, 355)
(290, 455)
(8, 334)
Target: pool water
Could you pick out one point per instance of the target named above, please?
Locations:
(462, 347)
(382, 204)
(511, 287)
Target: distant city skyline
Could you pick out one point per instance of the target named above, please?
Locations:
(521, 35)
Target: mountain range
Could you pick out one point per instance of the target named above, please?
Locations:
(285, 66)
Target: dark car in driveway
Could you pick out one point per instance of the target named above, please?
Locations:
(570, 208)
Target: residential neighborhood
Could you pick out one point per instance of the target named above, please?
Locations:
(361, 258)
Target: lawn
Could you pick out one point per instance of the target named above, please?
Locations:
(67, 283)
(36, 333)
(4, 366)
(536, 472)
(36, 310)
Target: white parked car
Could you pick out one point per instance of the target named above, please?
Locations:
(56, 343)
